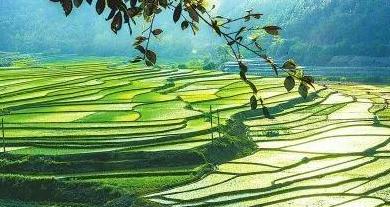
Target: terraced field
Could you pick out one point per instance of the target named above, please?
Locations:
(95, 106)
(328, 151)
(136, 129)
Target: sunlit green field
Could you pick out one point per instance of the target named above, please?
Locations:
(114, 125)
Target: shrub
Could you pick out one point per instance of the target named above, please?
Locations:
(52, 190)
(98, 161)
(125, 200)
(182, 66)
(377, 121)
(235, 143)
(271, 133)
(209, 66)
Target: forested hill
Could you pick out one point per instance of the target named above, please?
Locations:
(315, 32)
(331, 32)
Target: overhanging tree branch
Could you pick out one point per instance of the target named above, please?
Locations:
(193, 12)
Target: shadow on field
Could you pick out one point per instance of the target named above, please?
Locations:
(349, 175)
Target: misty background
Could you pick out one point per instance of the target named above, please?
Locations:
(315, 32)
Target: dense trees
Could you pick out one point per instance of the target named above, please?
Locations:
(318, 31)
(314, 31)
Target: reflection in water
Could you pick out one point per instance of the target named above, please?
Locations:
(376, 75)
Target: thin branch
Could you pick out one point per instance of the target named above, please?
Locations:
(150, 34)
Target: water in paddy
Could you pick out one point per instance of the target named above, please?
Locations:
(369, 75)
(372, 75)
(327, 151)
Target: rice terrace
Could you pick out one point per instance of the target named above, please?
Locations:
(142, 130)
(95, 130)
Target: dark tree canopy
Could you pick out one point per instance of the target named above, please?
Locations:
(241, 33)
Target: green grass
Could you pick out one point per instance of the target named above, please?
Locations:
(200, 95)
(59, 151)
(384, 113)
(77, 125)
(122, 116)
(125, 95)
(31, 95)
(47, 117)
(142, 185)
(12, 203)
(80, 108)
(174, 146)
(164, 111)
(152, 97)
(74, 134)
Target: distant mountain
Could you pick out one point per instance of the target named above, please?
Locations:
(329, 32)
(315, 32)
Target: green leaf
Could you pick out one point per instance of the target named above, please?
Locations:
(272, 30)
(216, 28)
(132, 12)
(177, 12)
(163, 3)
(243, 67)
(193, 14)
(289, 83)
(299, 73)
(77, 3)
(290, 65)
(67, 6)
(141, 49)
(157, 32)
(116, 24)
(133, 3)
(309, 80)
(100, 6)
(151, 56)
(253, 102)
(303, 90)
(111, 15)
(184, 25)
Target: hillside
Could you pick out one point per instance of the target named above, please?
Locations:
(332, 32)
(97, 132)
(315, 32)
